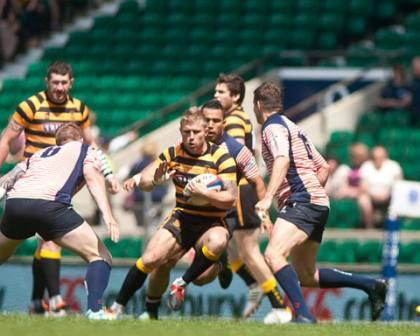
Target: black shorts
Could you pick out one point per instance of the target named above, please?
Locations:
(310, 218)
(24, 217)
(187, 228)
(244, 216)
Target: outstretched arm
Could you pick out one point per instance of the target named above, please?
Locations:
(96, 186)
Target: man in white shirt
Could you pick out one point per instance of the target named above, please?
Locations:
(378, 175)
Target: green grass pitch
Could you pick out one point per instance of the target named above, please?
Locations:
(21, 325)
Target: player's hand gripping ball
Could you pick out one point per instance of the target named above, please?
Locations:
(209, 181)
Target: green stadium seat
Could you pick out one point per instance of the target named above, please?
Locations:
(280, 21)
(408, 252)
(347, 251)
(386, 10)
(344, 214)
(369, 252)
(305, 22)
(327, 40)
(27, 247)
(282, 7)
(412, 23)
(356, 26)
(330, 22)
(301, 39)
(308, 6)
(328, 252)
(388, 40)
(360, 8)
(335, 7)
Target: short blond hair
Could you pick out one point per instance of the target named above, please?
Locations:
(68, 132)
(193, 114)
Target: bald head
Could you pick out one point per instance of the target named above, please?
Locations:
(379, 156)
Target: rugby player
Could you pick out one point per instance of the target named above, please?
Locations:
(38, 117)
(188, 225)
(40, 203)
(298, 174)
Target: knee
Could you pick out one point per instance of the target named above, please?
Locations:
(274, 257)
(151, 260)
(217, 242)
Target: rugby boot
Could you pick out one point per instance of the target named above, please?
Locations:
(377, 298)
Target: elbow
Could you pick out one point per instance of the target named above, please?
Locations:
(228, 203)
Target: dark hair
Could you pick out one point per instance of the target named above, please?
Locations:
(269, 95)
(213, 104)
(61, 68)
(68, 132)
(235, 85)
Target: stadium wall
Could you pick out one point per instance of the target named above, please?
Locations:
(337, 304)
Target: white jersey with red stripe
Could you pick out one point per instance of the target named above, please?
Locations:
(55, 172)
(282, 137)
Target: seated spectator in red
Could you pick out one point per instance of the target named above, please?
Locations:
(395, 94)
(378, 175)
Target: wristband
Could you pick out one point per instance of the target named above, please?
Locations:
(137, 179)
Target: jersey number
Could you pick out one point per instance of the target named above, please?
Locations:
(50, 152)
(306, 144)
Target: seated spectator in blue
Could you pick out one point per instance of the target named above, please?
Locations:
(414, 88)
(137, 199)
(395, 94)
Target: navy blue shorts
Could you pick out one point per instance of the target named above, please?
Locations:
(244, 217)
(23, 217)
(310, 218)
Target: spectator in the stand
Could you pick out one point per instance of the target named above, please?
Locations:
(338, 177)
(136, 201)
(414, 88)
(395, 94)
(9, 30)
(378, 175)
(359, 153)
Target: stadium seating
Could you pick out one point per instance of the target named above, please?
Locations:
(171, 41)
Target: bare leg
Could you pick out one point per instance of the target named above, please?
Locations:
(7, 247)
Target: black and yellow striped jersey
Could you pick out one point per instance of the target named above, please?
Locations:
(216, 160)
(238, 126)
(41, 117)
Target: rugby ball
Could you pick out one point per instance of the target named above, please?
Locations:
(211, 181)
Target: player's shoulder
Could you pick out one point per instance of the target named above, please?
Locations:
(238, 115)
(277, 120)
(79, 104)
(32, 102)
(232, 144)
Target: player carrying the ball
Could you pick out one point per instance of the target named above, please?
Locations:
(189, 224)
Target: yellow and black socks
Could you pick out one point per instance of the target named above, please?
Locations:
(269, 288)
(202, 261)
(133, 281)
(239, 268)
